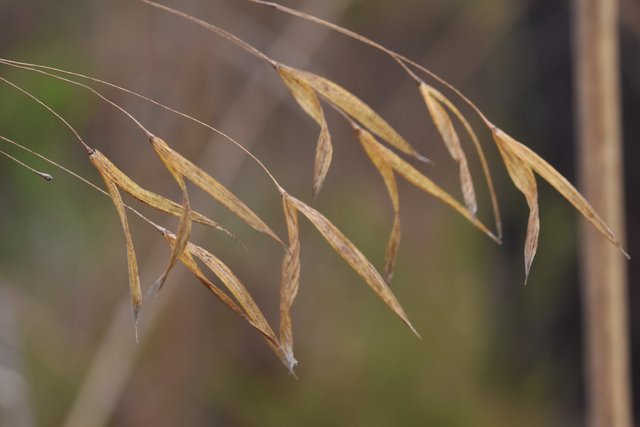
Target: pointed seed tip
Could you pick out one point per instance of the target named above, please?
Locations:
(153, 291)
(415, 332)
(136, 318)
(314, 194)
(424, 159)
(290, 361)
(495, 238)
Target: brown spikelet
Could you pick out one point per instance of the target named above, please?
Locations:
(184, 226)
(192, 266)
(147, 197)
(134, 278)
(393, 245)
(308, 100)
(389, 178)
(290, 279)
(347, 102)
(212, 187)
(245, 305)
(452, 141)
(352, 255)
(483, 159)
(521, 162)
(412, 175)
(523, 178)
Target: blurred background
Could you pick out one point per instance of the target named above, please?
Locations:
(493, 351)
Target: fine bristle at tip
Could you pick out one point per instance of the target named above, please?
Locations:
(424, 159)
(153, 291)
(414, 330)
(290, 363)
(136, 317)
(626, 255)
(495, 238)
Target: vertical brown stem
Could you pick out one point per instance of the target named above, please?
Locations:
(603, 269)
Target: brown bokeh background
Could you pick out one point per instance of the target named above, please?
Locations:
(493, 352)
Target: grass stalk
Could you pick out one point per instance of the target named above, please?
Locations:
(601, 176)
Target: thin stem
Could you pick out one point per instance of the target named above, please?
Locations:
(89, 88)
(80, 178)
(38, 68)
(88, 149)
(45, 176)
(223, 33)
(402, 60)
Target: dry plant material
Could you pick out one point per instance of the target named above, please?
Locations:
(308, 100)
(290, 279)
(416, 178)
(184, 226)
(408, 66)
(102, 165)
(209, 185)
(307, 89)
(389, 178)
(245, 305)
(523, 178)
(481, 156)
(352, 255)
(452, 141)
(518, 157)
(521, 162)
(147, 197)
(354, 107)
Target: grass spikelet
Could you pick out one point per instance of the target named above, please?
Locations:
(352, 255)
(96, 159)
(389, 178)
(354, 107)
(524, 179)
(412, 175)
(147, 197)
(308, 100)
(208, 184)
(290, 279)
(44, 70)
(407, 65)
(184, 226)
(481, 156)
(450, 137)
(521, 162)
(245, 306)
